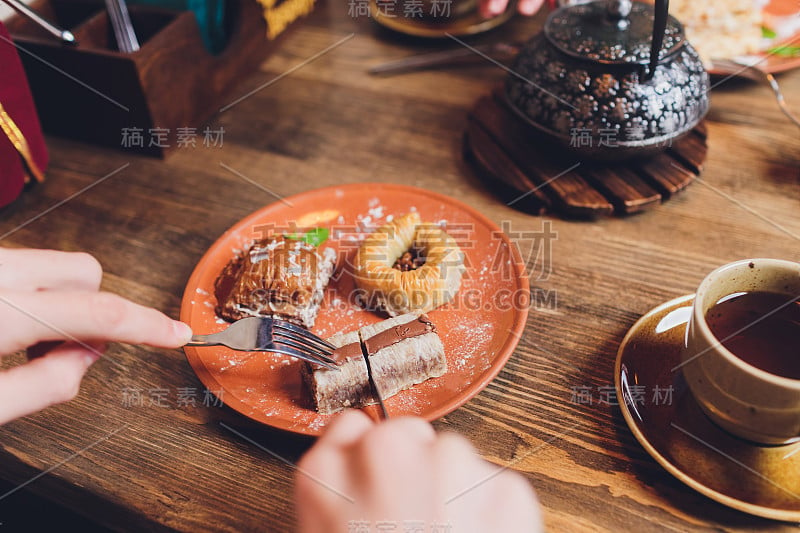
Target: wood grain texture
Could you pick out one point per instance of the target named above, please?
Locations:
(196, 467)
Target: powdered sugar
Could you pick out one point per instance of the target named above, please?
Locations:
(376, 212)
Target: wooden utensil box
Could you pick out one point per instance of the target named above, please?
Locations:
(142, 101)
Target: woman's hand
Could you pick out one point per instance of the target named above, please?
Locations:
(402, 474)
(492, 8)
(54, 296)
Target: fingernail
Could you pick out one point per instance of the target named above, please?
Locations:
(527, 8)
(182, 331)
(497, 6)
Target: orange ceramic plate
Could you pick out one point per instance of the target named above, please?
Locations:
(479, 329)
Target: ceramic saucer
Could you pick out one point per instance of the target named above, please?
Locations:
(666, 420)
(469, 24)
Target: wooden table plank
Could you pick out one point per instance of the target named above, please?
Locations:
(496, 163)
(669, 176)
(690, 151)
(624, 187)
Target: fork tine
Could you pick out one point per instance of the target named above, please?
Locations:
(309, 344)
(282, 324)
(303, 348)
(285, 350)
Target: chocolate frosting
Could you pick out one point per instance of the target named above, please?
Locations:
(346, 353)
(419, 326)
(416, 327)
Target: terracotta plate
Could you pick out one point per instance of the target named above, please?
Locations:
(666, 420)
(479, 329)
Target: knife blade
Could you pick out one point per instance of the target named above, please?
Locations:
(375, 390)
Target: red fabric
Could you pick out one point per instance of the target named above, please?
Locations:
(15, 95)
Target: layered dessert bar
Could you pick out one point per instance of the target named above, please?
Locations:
(275, 276)
(401, 352)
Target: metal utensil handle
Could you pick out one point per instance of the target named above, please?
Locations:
(773, 83)
(733, 67)
(128, 25)
(203, 340)
(659, 28)
(65, 36)
(121, 23)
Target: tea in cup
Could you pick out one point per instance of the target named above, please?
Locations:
(741, 358)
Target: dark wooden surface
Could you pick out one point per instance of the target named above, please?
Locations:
(190, 468)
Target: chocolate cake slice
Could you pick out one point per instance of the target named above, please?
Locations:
(403, 351)
(275, 276)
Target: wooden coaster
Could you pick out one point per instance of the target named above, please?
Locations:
(531, 175)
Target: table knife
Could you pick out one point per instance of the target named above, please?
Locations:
(375, 390)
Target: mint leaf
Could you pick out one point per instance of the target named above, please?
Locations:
(785, 51)
(768, 33)
(314, 236)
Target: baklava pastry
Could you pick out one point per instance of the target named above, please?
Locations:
(275, 276)
(407, 266)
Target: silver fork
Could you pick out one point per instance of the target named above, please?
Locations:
(268, 334)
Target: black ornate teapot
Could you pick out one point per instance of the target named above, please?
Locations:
(610, 80)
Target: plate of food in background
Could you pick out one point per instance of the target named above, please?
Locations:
(765, 34)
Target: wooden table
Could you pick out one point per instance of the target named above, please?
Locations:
(167, 465)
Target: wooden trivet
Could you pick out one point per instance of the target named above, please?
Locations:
(522, 168)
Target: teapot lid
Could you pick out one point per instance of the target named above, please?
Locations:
(611, 32)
